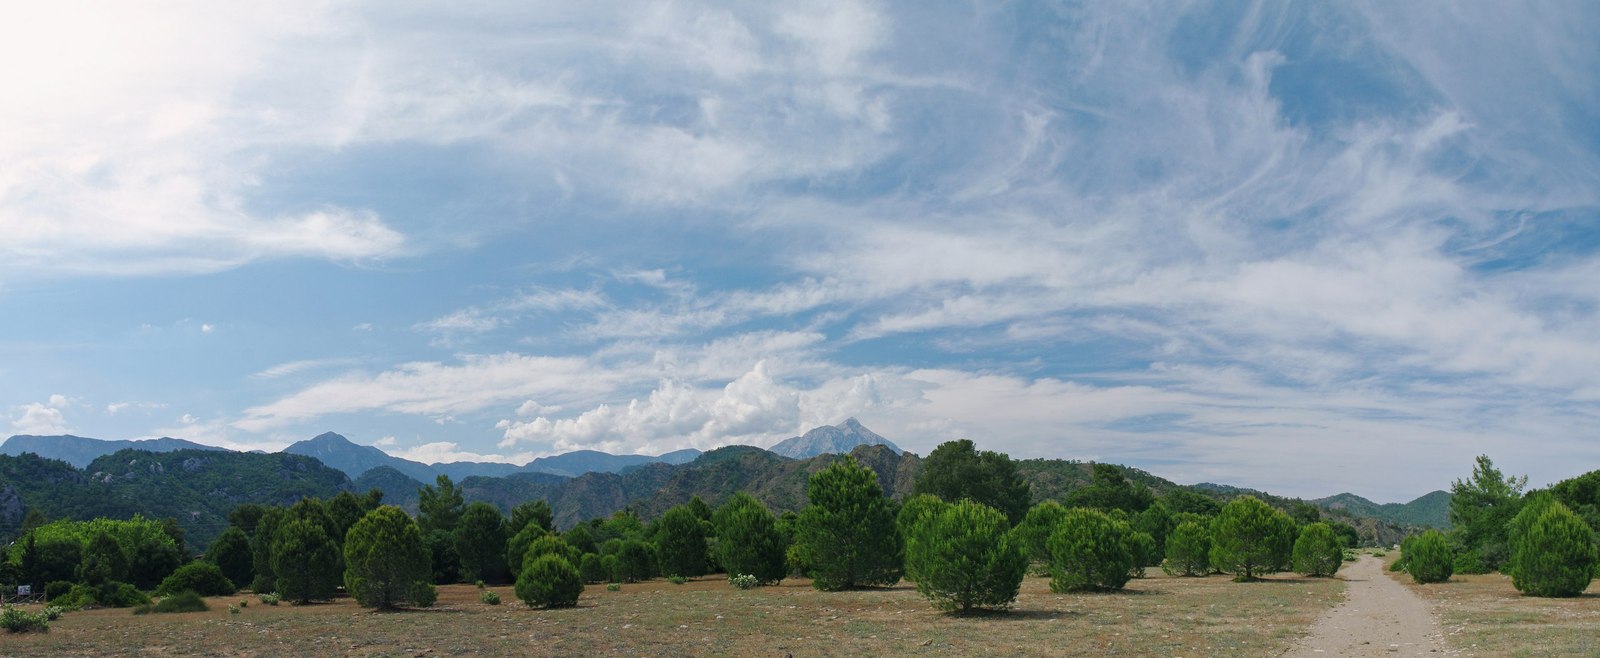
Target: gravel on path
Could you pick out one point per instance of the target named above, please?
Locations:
(1379, 617)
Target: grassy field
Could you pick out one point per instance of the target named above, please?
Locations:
(1156, 616)
(1484, 615)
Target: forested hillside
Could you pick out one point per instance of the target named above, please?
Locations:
(196, 487)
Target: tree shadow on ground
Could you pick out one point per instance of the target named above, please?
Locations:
(987, 614)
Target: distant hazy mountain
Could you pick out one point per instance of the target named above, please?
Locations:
(1431, 509)
(459, 471)
(834, 439)
(79, 451)
(579, 462)
(354, 459)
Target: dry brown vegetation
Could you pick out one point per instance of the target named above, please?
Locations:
(1483, 615)
(1157, 616)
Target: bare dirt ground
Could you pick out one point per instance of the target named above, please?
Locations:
(1156, 616)
(1483, 615)
(1379, 617)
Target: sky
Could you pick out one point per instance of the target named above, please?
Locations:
(1306, 248)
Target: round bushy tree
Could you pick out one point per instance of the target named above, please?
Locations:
(965, 557)
(581, 538)
(1555, 555)
(517, 545)
(957, 470)
(203, 578)
(1090, 551)
(305, 562)
(103, 561)
(231, 553)
(1143, 547)
(635, 562)
(1429, 558)
(261, 544)
(847, 533)
(1249, 538)
(480, 540)
(536, 512)
(1188, 550)
(1318, 551)
(550, 544)
(385, 560)
(748, 541)
(1035, 530)
(915, 509)
(913, 512)
(549, 581)
(681, 541)
(592, 568)
(442, 549)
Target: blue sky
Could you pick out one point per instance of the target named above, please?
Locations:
(1307, 248)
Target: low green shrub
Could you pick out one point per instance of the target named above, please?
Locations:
(270, 598)
(112, 594)
(479, 585)
(56, 589)
(17, 620)
(52, 613)
(742, 581)
(677, 580)
(613, 587)
(549, 581)
(233, 609)
(203, 578)
(1428, 557)
(424, 594)
(490, 598)
(180, 602)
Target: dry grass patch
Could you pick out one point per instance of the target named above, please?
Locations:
(1484, 615)
(1157, 616)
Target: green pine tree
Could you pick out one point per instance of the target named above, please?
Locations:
(847, 533)
(386, 562)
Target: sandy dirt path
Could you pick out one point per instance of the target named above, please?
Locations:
(1379, 617)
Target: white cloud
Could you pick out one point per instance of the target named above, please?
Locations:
(207, 328)
(145, 161)
(674, 415)
(434, 389)
(118, 407)
(385, 442)
(288, 368)
(446, 451)
(39, 419)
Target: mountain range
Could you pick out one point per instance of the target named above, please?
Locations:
(197, 486)
(79, 451)
(1431, 509)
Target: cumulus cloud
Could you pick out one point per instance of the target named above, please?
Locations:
(674, 415)
(39, 419)
(446, 451)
